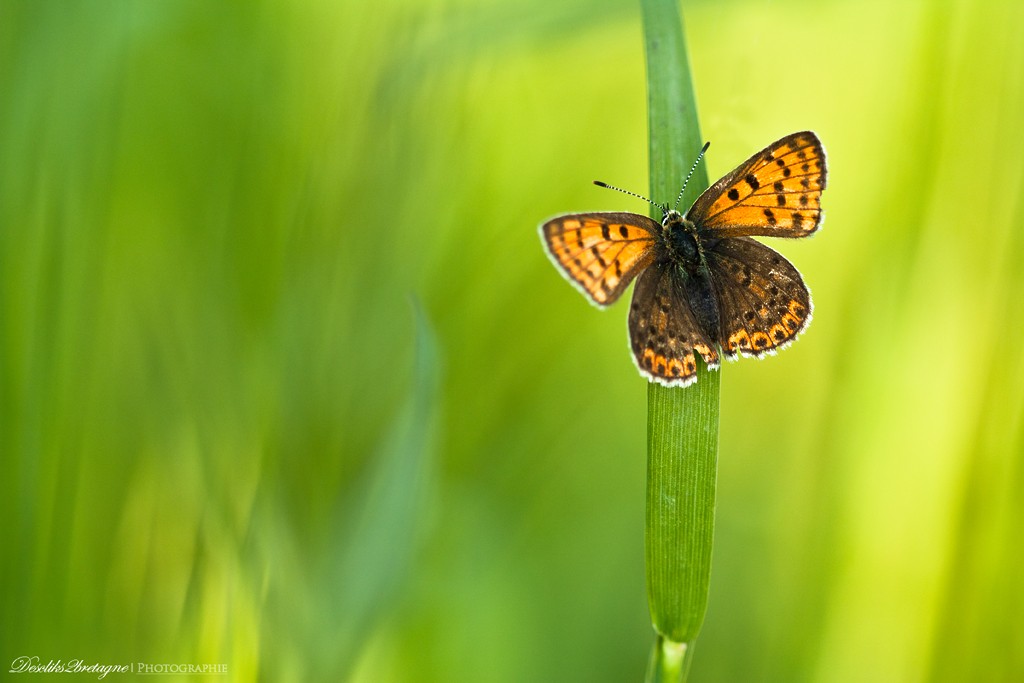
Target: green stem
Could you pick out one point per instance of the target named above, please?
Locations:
(682, 424)
(682, 459)
(669, 662)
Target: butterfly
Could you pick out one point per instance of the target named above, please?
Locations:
(703, 286)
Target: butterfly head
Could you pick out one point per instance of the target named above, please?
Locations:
(671, 217)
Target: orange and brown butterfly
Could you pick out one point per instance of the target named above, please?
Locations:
(703, 285)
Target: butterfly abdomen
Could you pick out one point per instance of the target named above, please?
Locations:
(684, 249)
(700, 294)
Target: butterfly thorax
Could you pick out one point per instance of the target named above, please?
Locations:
(680, 239)
(685, 250)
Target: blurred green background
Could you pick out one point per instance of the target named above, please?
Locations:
(287, 382)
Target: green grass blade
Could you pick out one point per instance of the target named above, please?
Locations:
(682, 454)
(682, 424)
(673, 131)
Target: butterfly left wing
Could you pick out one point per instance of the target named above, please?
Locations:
(663, 332)
(600, 253)
(762, 300)
(775, 193)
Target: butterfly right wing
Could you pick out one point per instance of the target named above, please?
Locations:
(763, 302)
(775, 193)
(600, 253)
(663, 332)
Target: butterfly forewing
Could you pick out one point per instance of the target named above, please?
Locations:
(601, 253)
(663, 332)
(775, 193)
(762, 300)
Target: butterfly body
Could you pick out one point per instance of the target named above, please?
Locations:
(682, 248)
(704, 287)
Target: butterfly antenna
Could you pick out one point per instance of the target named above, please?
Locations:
(664, 209)
(692, 169)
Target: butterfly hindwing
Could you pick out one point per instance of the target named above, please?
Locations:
(775, 193)
(663, 333)
(600, 253)
(763, 302)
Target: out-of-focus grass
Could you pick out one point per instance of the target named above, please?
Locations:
(211, 219)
